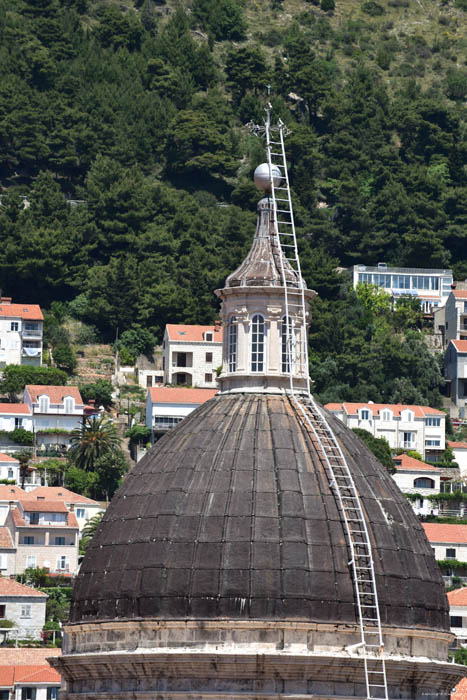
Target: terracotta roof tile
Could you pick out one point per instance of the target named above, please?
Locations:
(59, 493)
(27, 656)
(193, 334)
(175, 395)
(30, 312)
(460, 691)
(36, 674)
(457, 445)
(7, 676)
(17, 518)
(460, 293)
(406, 463)
(352, 408)
(458, 597)
(7, 458)
(5, 539)
(12, 493)
(449, 534)
(15, 409)
(460, 345)
(56, 394)
(8, 587)
(43, 506)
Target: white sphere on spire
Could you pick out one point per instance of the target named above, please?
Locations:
(262, 179)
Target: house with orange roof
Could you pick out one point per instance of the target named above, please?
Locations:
(449, 542)
(460, 691)
(455, 317)
(9, 493)
(56, 411)
(20, 333)
(13, 416)
(416, 477)
(23, 605)
(458, 614)
(29, 682)
(455, 373)
(459, 450)
(419, 428)
(167, 406)
(45, 534)
(9, 468)
(7, 553)
(191, 354)
(84, 508)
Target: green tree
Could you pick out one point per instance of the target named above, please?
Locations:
(100, 391)
(379, 447)
(89, 530)
(15, 378)
(94, 439)
(65, 358)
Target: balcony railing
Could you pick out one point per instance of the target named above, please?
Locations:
(32, 333)
(409, 445)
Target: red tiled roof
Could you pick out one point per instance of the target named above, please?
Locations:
(7, 458)
(12, 493)
(5, 539)
(9, 675)
(449, 534)
(43, 506)
(460, 293)
(457, 445)
(376, 408)
(458, 597)
(30, 312)
(460, 345)
(167, 394)
(15, 409)
(56, 394)
(52, 493)
(13, 588)
(460, 691)
(406, 463)
(192, 334)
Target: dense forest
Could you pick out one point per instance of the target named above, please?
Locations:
(126, 169)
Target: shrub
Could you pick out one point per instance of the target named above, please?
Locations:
(328, 5)
(373, 8)
(21, 436)
(86, 335)
(100, 392)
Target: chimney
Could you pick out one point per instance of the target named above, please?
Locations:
(453, 285)
(217, 326)
(92, 403)
(5, 300)
(12, 505)
(71, 507)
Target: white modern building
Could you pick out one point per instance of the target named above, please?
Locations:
(432, 287)
(20, 333)
(418, 428)
(455, 372)
(23, 605)
(167, 406)
(192, 354)
(56, 411)
(413, 476)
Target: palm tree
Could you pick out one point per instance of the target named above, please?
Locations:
(94, 438)
(89, 530)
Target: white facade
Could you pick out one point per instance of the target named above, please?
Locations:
(458, 615)
(456, 316)
(53, 408)
(20, 333)
(432, 287)
(84, 508)
(420, 480)
(24, 606)
(166, 407)
(455, 371)
(150, 377)
(418, 428)
(459, 450)
(9, 468)
(191, 355)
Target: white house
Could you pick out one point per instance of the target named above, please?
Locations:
(45, 534)
(459, 450)
(191, 354)
(9, 468)
(20, 333)
(448, 542)
(23, 605)
(56, 411)
(458, 614)
(12, 416)
(456, 315)
(29, 682)
(419, 428)
(455, 372)
(430, 286)
(9, 493)
(7, 553)
(84, 508)
(413, 476)
(167, 406)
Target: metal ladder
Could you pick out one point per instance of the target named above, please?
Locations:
(340, 477)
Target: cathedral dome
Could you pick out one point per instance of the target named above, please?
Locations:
(231, 516)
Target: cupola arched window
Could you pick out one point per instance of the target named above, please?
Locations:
(232, 344)
(257, 343)
(286, 351)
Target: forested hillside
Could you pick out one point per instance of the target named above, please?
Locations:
(138, 111)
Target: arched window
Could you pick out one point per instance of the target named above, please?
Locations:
(257, 343)
(424, 483)
(232, 344)
(286, 347)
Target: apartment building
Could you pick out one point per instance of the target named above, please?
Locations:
(167, 406)
(191, 354)
(430, 286)
(20, 333)
(56, 412)
(419, 428)
(44, 534)
(84, 508)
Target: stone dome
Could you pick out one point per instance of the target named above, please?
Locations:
(230, 516)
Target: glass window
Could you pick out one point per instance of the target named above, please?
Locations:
(286, 343)
(18, 422)
(208, 377)
(14, 326)
(424, 483)
(364, 277)
(386, 415)
(209, 357)
(69, 404)
(435, 283)
(43, 404)
(408, 440)
(26, 610)
(257, 344)
(382, 280)
(53, 693)
(28, 694)
(28, 539)
(62, 563)
(59, 541)
(365, 414)
(208, 337)
(433, 443)
(455, 621)
(232, 344)
(401, 281)
(433, 421)
(31, 561)
(34, 518)
(450, 553)
(80, 513)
